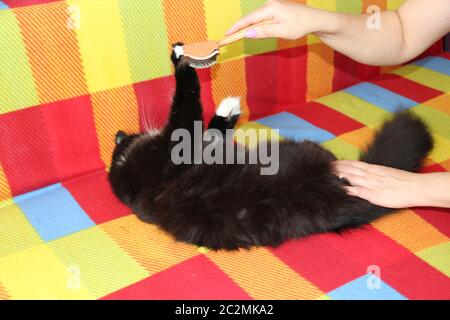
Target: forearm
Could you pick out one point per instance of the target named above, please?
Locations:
(391, 38)
(350, 35)
(433, 189)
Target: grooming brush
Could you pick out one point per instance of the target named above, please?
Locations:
(204, 54)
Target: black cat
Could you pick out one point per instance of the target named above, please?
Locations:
(231, 206)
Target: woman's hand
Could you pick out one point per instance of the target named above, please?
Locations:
(383, 186)
(291, 20)
(394, 37)
(393, 188)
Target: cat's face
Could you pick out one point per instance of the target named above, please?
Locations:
(136, 161)
(121, 173)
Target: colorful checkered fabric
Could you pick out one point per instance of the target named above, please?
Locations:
(73, 73)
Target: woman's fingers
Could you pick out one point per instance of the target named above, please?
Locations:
(363, 166)
(349, 169)
(355, 180)
(359, 192)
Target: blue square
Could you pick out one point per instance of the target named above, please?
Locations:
(53, 212)
(380, 97)
(293, 127)
(3, 5)
(359, 289)
(436, 64)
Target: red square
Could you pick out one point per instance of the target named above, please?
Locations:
(437, 217)
(326, 118)
(93, 194)
(25, 151)
(416, 279)
(291, 76)
(445, 55)
(405, 87)
(72, 136)
(154, 98)
(262, 94)
(433, 168)
(195, 279)
(367, 246)
(25, 3)
(348, 72)
(318, 262)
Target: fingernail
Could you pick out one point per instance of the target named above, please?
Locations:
(251, 34)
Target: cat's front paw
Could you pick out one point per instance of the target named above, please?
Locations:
(177, 53)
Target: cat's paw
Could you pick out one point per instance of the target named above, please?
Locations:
(229, 107)
(177, 53)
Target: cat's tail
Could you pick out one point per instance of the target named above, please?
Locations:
(402, 142)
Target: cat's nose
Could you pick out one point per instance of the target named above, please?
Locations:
(120, 136)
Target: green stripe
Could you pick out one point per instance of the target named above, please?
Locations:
(146, 38)
(251, 46)
(427, 77)
(436, 120)
(17, 89)
(341, 149)
(354, 107)
(349, 6)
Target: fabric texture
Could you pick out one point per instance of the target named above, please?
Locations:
(72, 73)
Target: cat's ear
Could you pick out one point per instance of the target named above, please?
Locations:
(120, 136)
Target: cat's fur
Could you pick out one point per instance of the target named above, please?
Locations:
(233, 206)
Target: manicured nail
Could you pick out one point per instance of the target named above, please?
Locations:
(251, 33)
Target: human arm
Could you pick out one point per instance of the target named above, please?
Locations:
(402, 34)
(395, 188)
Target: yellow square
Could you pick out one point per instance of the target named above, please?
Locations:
(320, 71)
(394, 4)
(250, 133)
(104, 266)
(264, 276)
(342, 149)
(222, 87)
(446, 164)
(438, 256)
(4, 295)
(329, 5)
(36, 273)
(354, 107)
(114, 110)
(438, 122)
(147, 244)
(441, 150)
(441, 103)
(5, 192)
(102, 44)
(360, 138)
(220, 16)
(410, 230)
(17, 233)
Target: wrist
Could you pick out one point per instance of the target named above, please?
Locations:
(325, 23)
(419, 193)
(433, 189)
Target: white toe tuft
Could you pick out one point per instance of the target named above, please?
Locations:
(230, 106)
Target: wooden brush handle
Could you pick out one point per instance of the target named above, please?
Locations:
(239, 35)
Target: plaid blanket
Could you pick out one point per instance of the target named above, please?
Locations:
(73, 73)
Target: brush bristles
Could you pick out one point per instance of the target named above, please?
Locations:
(202, 64)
